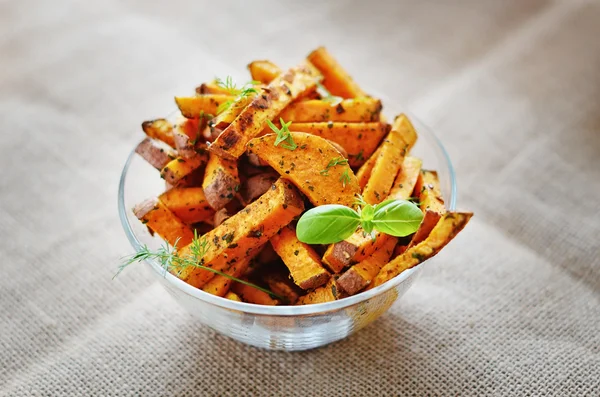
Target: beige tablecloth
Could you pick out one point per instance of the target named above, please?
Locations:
(511, 88)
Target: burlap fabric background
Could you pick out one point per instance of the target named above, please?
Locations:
(511, 88)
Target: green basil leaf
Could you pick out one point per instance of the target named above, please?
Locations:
(327, 224)
(397, 217)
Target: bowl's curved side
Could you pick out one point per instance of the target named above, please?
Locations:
(290, 333)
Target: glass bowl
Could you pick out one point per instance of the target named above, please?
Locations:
(277, 327)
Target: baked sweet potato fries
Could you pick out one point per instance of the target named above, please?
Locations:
(242, 163)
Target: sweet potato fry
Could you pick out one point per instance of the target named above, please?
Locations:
(358, 139)
(154, 214)
(405, 181)
(257, 185)
(188, 204)
(349, 110)
(327, 293)
(364, 172)
(219, 285)
(449, 225)
(195, 106)
(263, 71)
(180, 167)
(235, 238)
(387, 165)
(155, 152)
(335, 78)
(221, 181)
(360, 275)
(404, 127)
(431, 203)
(354, 249)
(159, 129)
(280, 284)
(226, 117)
(211, 88)
(252, 295)
(232, 296)
(301, 259)
(265, 106)
(303, 167)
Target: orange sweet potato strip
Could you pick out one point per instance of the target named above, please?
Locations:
(301, 259)
(159, 129)
(155, 152)
(349, 110)
(387, 165)
(235, 239)
(360, 275)
(335, 78)
(357, 247)
(327, 293)
(211, 88)
(431, 203)
(252, 295)
(232, 296)
(449, 225)
(221, 181)
(354, 249)
(405, 181)
(303, 167)
(219, 285)
(264, 71)
(364, 172)
(154, 214)
(359, 140)
(195, 106)
(188, 204)
(181, 167)
(280, 284)
(270, 101)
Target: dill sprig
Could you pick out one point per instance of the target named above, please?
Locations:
(171, 262)
(239, 93)
(345, 178)
(332, 163)
(326, 95)
(283, 135)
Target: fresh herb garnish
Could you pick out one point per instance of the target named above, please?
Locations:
(332, 163)
(345, 178)
(239, 93)
(331, 223)
(171, 262)
(283, 135)
(326, 95)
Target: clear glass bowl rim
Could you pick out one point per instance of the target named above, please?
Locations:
(307, 310)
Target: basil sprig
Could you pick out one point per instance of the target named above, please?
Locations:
(331, 223)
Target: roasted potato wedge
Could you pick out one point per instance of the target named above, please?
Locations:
(196, 106)
(387, 165)
(155, 152)
(360, 275)
(188, 203)
(335, 78)
(449, 225)
(236, 237)
(159, 129)
(263, 71)
(266, 105)
(359, 140)
(303, 167)
(155, 214)
(301, 259)
(349, 110)
(221, 181)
